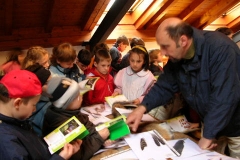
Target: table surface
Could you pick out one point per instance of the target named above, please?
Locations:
(146, 126)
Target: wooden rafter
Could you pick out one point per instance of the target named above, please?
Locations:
(149, 12)
(8, 17)
(160, 13)
(187, 12)
(95, 10)
(235, 24)
(136, 15)
(216, 11)
(130, 31)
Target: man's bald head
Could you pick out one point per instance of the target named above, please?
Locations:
(173, 21)
(174, 37)
(174, 28)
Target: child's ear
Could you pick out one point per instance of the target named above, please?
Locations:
(95, 64)
(17, 102)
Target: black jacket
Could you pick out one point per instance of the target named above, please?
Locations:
(54, 117)
(19, 142)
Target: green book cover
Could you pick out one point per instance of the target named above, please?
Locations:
(117, 127)
(68, 131)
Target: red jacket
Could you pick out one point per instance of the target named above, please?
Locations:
(104, 87)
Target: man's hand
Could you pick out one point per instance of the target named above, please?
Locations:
(205, 143)
(135, 117)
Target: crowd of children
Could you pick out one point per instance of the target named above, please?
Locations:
(52, 86)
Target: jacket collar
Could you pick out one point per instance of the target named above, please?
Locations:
(141, 73)
(97, 74)
(194, 63)
(12, 121)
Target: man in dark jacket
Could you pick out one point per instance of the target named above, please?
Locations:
(203, 67)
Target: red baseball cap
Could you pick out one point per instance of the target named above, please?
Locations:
(21, 84)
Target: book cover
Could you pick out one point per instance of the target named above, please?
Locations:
(87, 84)
(118, 99)
(117, 127)
(65, 133)
(180, 124)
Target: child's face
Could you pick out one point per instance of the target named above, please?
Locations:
(122, 47)
(136, 61)
(21, 57)
(44, 61)
(66, 64)
(75, 104)
(103, 66)
(24, 111)
(160, 57)
(81, 66)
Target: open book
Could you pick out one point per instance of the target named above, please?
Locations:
(68, 131)
(87, 84)
(118, 127)
(180, 124)
(121, 99)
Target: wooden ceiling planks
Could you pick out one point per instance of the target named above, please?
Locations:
(48, 22)
(94, 14)
(8, 17)
(214, 12)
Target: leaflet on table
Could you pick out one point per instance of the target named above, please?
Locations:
(119, 99)
(117, 127)
(97, 110)
(180, 124)
(116, 144)
(87, 84)
(126, 112)
(65, 133)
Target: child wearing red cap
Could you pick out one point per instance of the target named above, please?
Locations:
(20, 91)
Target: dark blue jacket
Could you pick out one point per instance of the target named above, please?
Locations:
(209, 83)
(19, 142)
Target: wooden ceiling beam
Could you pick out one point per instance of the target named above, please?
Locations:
(49, 21)
(110, 21)
(147, 14)
(8, 17)
(235, 24)
(224, 20)
(216, 11)
(95, 9)
(130, 32)
(187, 12)
(140, 10)
(160, 13)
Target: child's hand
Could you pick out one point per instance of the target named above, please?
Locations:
(104, 133)
(108, 143)
(70, 149)
(136, 101)
(115, 94)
